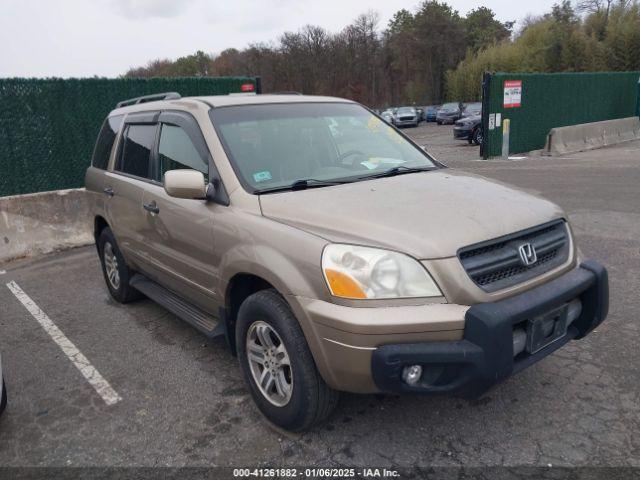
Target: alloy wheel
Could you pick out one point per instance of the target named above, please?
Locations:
(269, 363)
(111, 266)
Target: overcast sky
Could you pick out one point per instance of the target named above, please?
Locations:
(83, 38)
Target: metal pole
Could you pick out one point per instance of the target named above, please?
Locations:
(506, 125)
(484, 146)
(638, 101)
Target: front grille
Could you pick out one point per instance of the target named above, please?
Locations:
(496, 264)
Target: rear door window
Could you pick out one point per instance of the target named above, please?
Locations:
(135, 156)
(106, 137)
(177, 151)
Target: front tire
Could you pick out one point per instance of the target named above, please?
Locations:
(278, 366)
(115, 270)
(477, 136)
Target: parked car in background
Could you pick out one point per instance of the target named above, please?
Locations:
(469, 128)
(3, 390)
(449, 113)
(387, 116)
(406, 116)
(472, 109)
(430, 112)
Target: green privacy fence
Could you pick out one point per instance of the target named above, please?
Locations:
(48, 127)
(535, 103)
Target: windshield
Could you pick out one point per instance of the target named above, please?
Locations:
(407, 110)
(474, 107)
(450, 106)
(274, 145)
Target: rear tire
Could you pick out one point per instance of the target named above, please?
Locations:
(282, 349)
(115, 270)
(439, 122)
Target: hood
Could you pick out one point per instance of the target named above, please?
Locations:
(427, 215)
(470, 119)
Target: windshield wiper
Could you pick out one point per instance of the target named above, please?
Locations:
(303, 184)
(396, 171)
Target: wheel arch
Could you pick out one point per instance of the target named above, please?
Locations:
(99, 224)
(239, 288)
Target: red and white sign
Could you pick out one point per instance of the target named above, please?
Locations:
(512, 93)
(247, 87)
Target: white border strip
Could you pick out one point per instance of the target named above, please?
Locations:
(108, 394)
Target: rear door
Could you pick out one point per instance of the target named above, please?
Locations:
(179, 232)
(124, 186)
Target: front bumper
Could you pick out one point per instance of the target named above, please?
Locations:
(484, 357)
(462, 132)
(402, 123)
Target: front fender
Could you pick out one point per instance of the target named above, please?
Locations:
(270, 265)
(286, 257)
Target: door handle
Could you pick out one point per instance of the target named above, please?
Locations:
(109, 191)
(151, 207)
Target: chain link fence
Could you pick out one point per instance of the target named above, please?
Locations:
(535, 103)
(48, 127)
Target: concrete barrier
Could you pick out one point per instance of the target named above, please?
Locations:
(587, 136)
(44, 222)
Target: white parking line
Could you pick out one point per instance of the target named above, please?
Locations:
(108, 394)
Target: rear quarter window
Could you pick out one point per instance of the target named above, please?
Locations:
(104, 144)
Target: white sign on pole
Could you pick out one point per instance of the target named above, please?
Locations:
(492, 121)
(512, 93)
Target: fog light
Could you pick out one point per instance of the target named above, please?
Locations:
(411, 374)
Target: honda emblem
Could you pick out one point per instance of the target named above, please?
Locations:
(527, 254)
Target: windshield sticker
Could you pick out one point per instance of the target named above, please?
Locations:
(375, 162)
(262, 176)
(371, 164)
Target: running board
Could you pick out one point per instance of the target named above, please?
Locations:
(182, 309)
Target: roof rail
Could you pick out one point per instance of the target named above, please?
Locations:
(149, 98)
(287, 92)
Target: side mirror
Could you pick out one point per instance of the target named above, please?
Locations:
(185, 184)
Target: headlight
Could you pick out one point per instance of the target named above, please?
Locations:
(371, 273)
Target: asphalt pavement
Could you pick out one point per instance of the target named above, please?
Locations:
(180, 399)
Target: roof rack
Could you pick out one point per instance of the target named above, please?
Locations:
(287, 92)
(149, 98)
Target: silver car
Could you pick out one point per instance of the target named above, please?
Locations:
(407, 116)
(387, 116)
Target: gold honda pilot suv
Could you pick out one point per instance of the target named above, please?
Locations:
(332, 252)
